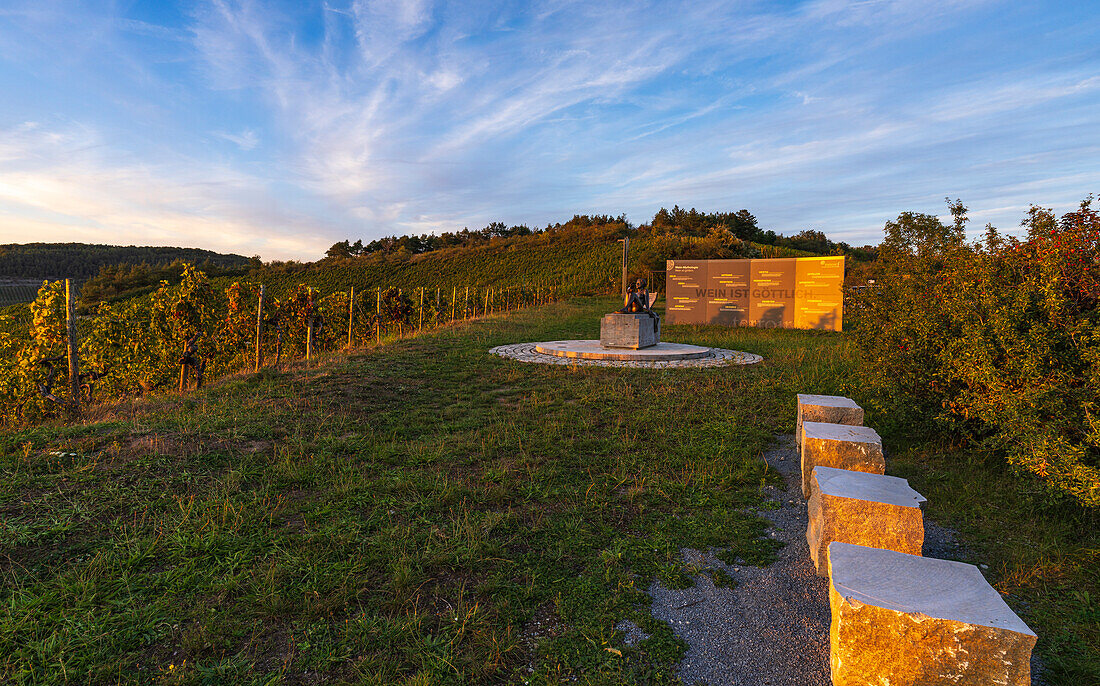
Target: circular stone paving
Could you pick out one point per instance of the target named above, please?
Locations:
(662, 355)
(592, 350)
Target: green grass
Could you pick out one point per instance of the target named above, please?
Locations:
(419, 513)
(428, 513)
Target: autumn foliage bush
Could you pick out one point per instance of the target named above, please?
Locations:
(998, 340)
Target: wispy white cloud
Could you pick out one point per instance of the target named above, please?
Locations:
(382, 117)
(245, 140)
(383, 26)
(57, 183)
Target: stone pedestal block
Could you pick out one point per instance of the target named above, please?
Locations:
(858, 448)
(873, 510)
(633, 331)
(905, 620)
(833, 409)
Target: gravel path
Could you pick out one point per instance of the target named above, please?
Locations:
(773, 627)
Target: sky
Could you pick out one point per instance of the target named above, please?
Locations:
(280, 128)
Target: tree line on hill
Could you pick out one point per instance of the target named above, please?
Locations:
(107, 272)
(740, 225)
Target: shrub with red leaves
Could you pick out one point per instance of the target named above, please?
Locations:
(999, 340)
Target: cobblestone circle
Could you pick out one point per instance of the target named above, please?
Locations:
(718, 357)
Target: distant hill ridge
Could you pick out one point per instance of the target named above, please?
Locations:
(82, 261)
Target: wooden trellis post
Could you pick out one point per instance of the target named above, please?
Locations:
(454, 298)
(260, 329)
(309, 330)
(466, 305)
(626, 257)
(378, 319)
(401, 321)
(189, 361)
(421, 327)
(351, 315)
(73, 343)
(309, 341)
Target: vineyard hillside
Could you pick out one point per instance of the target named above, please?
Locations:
(574, 262)
(571, 262)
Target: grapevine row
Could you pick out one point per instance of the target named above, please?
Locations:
(189, 332)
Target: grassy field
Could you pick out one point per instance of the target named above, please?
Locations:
(427, 513)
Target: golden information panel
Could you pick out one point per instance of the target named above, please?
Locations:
(788, 292)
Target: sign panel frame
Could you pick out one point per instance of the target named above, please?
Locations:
(784, 292)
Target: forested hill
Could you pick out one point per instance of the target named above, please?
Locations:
(82, 261)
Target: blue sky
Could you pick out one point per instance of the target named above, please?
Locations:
(280, 128)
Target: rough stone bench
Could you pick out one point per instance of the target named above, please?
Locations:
(833, 409)
(907, 620)
(874, 510)
(858, 448)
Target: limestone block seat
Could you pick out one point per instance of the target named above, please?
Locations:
(866, 509)
(858, 448)
(833, 409)
(906, 620)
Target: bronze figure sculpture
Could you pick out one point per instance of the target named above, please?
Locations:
(627, 328)
(637, 300)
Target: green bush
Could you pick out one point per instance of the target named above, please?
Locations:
(653, 253)
(999, 340)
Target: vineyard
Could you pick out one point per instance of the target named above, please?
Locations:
(774, 251)
(575, 263)
(16, 291)
(196, 330)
